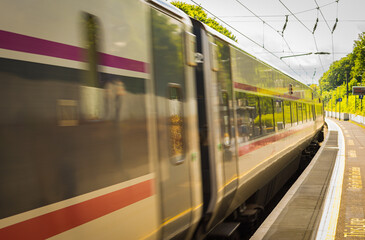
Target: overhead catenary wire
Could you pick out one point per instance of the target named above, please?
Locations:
(263, 34)
(333, 49)
(333, 29)
(284, 27)
(295, 16)
(335, 25)
(308, 10)
(307, 20)
(251, 40)
(322, 15)
(316, 24)
(314, 38)
(282, 34)
(315, 43)
(315, 8)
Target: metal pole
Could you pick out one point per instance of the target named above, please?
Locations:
(347, 91)
(339, 109)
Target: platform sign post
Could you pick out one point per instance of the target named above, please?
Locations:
(358, 90)
(339, 108)
(339, 100)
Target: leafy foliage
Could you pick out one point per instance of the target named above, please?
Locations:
(199, 14)
(349, 69)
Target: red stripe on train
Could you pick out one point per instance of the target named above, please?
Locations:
(247, 87)
(261, 143)
(64, 219)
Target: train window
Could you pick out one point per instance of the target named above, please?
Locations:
(318, 110)
(225, 92)
(294, 113)
(310, 113)
(91, 105)
(248, 116)
(287, 114)
(267, 115)
(300, 113)
(190, 48)
(279, 114)
(305, 118)
(176, 123)
(244, 122)
(213, 48)
(225, 118)
(92, 28)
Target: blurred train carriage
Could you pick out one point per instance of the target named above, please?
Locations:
(111, 128)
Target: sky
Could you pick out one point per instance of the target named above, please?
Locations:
(258, 26)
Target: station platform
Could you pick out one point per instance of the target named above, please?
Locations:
(328, 200)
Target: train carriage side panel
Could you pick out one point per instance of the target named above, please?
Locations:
(263, 153)
(179, 157)
(77, 141)
(216, 119)
(269, 135)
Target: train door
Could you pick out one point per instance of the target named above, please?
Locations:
(170, 90)
(226, 119)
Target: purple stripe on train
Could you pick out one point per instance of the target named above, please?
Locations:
(23, 43)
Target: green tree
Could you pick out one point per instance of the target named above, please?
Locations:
(359, 59)
(199, 14)
(349, 69)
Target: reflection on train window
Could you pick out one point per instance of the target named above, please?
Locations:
(225, 92)
(279, 114)
(92, 27)
(91, 105)
(294, 113)
(267, 115)
(287, 114)
(176, 123)
(225, 118)
(318, 110)
(310, 112)
(248, 116)
(300, 113)
(305, 114)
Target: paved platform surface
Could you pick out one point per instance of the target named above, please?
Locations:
(299, 215)
(351, 220)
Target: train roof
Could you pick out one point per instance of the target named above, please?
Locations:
(167, 7)
(238, 46)
(174, 11)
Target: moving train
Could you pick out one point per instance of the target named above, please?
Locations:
(129, 120)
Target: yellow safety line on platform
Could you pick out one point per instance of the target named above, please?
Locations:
(358, 124)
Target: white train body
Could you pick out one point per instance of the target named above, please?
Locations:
(110, 129)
